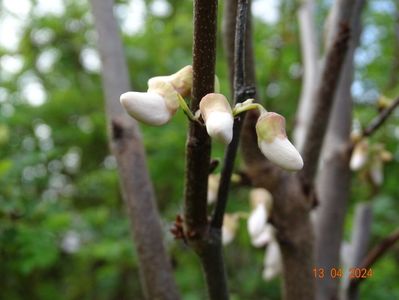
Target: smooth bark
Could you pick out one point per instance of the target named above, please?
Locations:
(333, 181)
(126, 145)
(323, 96)
(310, 58)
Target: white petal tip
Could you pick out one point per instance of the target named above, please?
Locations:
(219, 126)
(281, 152)
(149, 108)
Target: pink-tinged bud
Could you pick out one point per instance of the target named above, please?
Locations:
(274, 144)
(182, 80)
(359, 156)
(150, 108)
(216, 112)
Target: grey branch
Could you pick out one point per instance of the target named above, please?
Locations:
(126, 145)
(323, 95)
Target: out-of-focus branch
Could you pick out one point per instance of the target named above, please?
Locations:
(126, 145)
(333, 180)
(375, 254)
(310, 57)
(323, 95)
(241, 93)
(380, 118)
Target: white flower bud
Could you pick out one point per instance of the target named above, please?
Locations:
(257, 220)
(229, 228)
(149, 108)
(359, 156)
(261, 196)
(272, 262)
(274, 144)
(216, 112)
(182, 80)
(264, 237)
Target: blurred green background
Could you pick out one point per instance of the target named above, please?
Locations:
(64, 233)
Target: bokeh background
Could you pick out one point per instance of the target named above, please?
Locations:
(64, 233)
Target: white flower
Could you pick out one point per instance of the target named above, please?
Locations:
(216, 112)
(359, 156)
(264, 237)
(274, 144)
(229, 228)
(149, 108)
(272, 261)
(257, 220)
(261, 195)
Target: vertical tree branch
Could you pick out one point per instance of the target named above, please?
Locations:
(205, 240)
(323, 95)
(126, 145)
(241, 92)
(310, 57)
(198, 143)
(333, 181)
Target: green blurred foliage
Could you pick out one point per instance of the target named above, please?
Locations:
(64, 233)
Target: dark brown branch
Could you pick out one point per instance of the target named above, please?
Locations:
(126, 145)
(241, 93)
(380, 119)
(198, 143)
(205, 240)
(375, 254)
(324, 93)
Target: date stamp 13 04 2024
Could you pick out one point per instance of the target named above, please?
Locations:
(337, 273)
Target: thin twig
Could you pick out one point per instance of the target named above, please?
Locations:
(375, 254)
(380, 118)
(156, 273)
(241, 93)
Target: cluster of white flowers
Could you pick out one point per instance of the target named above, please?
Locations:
(262, 233)
(159, 104)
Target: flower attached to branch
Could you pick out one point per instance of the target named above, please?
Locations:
(274, 144)
(162, 99)
(217, 115)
